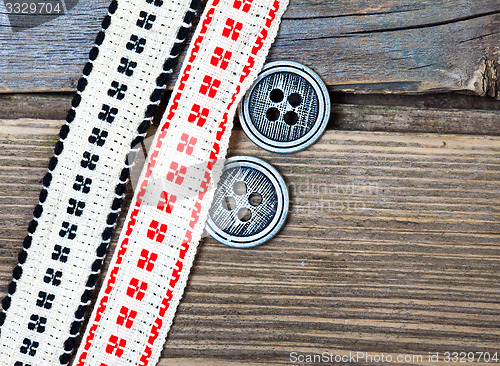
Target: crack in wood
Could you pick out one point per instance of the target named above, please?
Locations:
(350, 15)
(428, 25)
(491, 78)
(419, 67)
(479, 37)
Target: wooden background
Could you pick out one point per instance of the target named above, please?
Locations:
(392, 242)
(410, 46)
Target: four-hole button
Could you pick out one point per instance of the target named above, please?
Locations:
(286, 109)
(250, 204)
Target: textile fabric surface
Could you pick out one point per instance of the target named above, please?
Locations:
(123, 81)
(156, 248)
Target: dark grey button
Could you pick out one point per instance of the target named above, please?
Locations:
(250, 204)
(286, 109)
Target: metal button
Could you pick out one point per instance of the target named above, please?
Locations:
(250, 204)
(286, 109)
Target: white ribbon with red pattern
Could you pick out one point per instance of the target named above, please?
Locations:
(156, 248)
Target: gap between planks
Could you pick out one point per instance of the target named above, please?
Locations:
(343, 117)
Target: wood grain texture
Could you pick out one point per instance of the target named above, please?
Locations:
(385, 46)
(392, 246)
(414, 119)
(343, 116)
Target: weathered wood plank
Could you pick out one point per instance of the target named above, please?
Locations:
(412, 119)
(56, 105)
(37, 105)
(405, 46)
(343, 116)
(392, 246)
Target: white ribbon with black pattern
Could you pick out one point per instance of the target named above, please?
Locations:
(156, 248)
(62, 254)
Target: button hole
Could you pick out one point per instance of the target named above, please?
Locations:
(240, 188)
(255, 199)
(244, 214)
(291, 118)
(276, 95)
(273, 114)
(294, 99)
